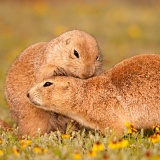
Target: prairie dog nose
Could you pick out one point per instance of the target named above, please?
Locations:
(88, 72)
(85, 75)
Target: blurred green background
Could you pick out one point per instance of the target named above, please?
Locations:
(122, 28)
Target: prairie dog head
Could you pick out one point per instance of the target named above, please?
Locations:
(76, 52)
(54, 93)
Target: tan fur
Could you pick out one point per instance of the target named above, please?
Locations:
(128, 92)
(43, 60)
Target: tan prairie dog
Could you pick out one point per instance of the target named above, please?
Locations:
(74, 53)
(128, 92)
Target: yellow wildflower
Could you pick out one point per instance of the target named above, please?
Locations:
(15, 151)
(37, 150)
(118, 144)
(92, 153)
(127, 124)
(65, 136)
(1, 152)
(98, 147)
(155, 138)
(44, 150)
(29, 142)
(129, 131)
(156, 128)
(130, 128)
(77, 156)
(24, 143)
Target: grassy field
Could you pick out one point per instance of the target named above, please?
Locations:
(122, 29)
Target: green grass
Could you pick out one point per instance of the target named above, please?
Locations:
(122, 29)
(56, 146)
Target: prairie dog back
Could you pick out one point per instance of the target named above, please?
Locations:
(137, 81)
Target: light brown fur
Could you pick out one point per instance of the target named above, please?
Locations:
(44, 60)
(128, 92)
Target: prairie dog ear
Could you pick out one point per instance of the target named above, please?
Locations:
(66, 41)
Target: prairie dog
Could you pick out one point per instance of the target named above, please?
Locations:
(74, 53)
(128, 92)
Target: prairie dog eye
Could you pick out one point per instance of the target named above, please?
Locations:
(76, 53)
(47, 84)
